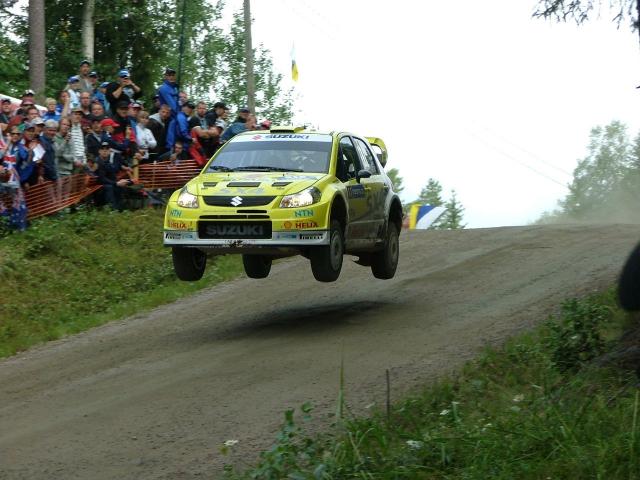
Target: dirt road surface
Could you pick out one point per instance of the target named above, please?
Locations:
(154, 396)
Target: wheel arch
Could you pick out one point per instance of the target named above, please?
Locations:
(395, 213)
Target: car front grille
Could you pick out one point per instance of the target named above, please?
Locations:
(237, 201)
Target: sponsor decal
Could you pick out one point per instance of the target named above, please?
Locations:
(240, 230)
(314, 236)
(307, 224)
(292, 136)
(355, 191)
(235, 201)
(179, 236)
(256, 137)
(307, 212)
(287, 225)
(174, 212)
(285, 235)
(179, 225)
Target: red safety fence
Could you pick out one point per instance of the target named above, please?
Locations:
(167, 174)
(52, 196)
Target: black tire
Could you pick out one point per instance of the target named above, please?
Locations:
(629, 286)
(326, 261)
(189, 263)
(256, 266)
(385, 262)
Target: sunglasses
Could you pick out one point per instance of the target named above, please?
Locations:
(14, 133)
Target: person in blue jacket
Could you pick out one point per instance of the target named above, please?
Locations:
(179, 127)
(168, 92)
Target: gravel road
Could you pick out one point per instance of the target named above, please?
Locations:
(154, 396)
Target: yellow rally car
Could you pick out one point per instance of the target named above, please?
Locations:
(288, 191)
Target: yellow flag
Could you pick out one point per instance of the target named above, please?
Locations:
(294, 65)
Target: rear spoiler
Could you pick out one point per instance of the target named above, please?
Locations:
(381, 151)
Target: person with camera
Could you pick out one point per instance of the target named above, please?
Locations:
(122, 91)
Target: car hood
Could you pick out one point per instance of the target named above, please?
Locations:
(253, 183)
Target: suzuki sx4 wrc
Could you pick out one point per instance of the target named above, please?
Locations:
(288, 191)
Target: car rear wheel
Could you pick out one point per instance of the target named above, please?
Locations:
(385, 262)
(326, 261)
(189, 263)
(256, 266)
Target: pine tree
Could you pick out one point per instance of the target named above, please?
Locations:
(431, 194)
(452, 218)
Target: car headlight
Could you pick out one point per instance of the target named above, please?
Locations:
(187, 200)
(301, 199)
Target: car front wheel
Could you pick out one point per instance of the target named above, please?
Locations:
(256, 266)
(385, 262)
(326, 261)
(189, 263)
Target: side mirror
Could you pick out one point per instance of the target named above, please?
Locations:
(363, 174)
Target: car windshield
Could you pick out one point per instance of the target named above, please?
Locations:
(310, 154)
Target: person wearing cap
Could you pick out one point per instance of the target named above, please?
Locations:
(168, 91)
(109, 165)
(29, 95)
(244, 121)
(77, 137)
(26, 167)
(39, 124)
(179, 127)
(122, 90)
(100, 96)
(73, 89)
(134, 110)
(155, 108)
(124, 133)
(5, 113)
(47, 164)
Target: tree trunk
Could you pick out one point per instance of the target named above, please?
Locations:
(251, 86)
(88, 29)
(36, 48)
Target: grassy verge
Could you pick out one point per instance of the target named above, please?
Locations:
(69, 273)
(538, 408)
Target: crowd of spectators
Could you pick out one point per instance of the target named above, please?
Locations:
(103, 129)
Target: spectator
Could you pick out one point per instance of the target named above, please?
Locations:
(15, 150)
(100, 96)
(134, 110)
(39, 124)
(179, 127)
(97, 110)
(199, 117)
(5, 114)
(28, 97)
(178, 153)
(244, 121)
(205, 133)
(159, 124)
(168, 92)
(51, 113)
(48, 162)
(93, 80)
(63, 108)
(30, 114)
(93, 140)
(26, 166)
(121, 144)
(124, 133)
(145, 138)
(156, 104)
(109, 165)
(123, 90)
(182, 98)
(219, 111)
(63, 145)
(10, 186)
(85, 104)
(86, 85)
(73, 89)
(77, 137)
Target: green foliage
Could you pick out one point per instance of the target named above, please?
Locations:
(511, 414)
(577, 337)
(396, 179)
(431, 194)
(452, 218)
(68, 273)
(13, 67)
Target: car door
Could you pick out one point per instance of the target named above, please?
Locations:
(347, 167)
(375, 188)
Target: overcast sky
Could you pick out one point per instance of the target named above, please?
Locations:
(478, 95)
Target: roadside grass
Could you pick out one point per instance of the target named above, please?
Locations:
(68, 273)
(540, 407)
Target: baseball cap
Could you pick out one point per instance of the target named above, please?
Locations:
(77, 109)
(245, 110)
(26, 101)
(104, 84)
(105, 145)
(85, 62)
(51, 124)
(5, 100)
(74, 79)
(109, 122)
(28, 125)
(28, 93)
(93, 74)
(189, 104)
(135, 105)
(124, 73)
(220, 105)
(122, 104)
(169, 70)
(37, 121)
